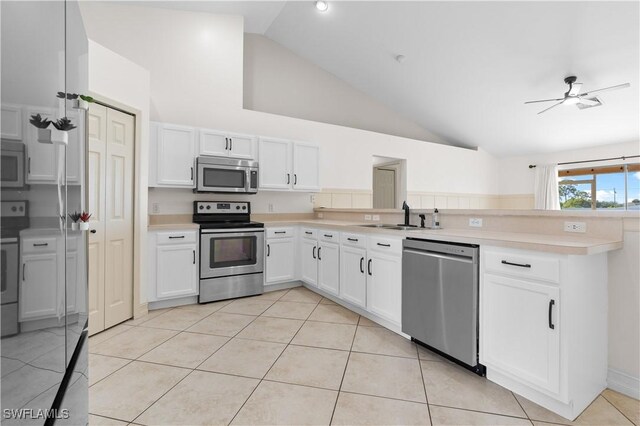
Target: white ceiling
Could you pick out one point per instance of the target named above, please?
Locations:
(470, 66)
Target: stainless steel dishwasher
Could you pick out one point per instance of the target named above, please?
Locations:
(440, 298)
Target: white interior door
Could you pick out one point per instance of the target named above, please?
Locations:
(119, 218)
(384, 188)
(110, 162)
(97, 121)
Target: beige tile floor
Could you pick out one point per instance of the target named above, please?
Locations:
(293, 357)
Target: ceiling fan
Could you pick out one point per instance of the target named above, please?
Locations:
(574, 97)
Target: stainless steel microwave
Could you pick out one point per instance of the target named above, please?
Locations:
(12, 165)
(220, 174)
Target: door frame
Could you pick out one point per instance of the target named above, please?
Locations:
(140, 197)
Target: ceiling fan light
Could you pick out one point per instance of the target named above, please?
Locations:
(322, 6)
(571, 100)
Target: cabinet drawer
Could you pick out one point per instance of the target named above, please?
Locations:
(176, 237)
(280, 232)
(519, 264)
(386, 245)
(310, 233)
(328, 236)
(355, 240)
(39, 245)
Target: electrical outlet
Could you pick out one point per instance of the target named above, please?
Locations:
(476, 222)
(312, 198)
(575, 227)
(376, 217)
(270, 208)
(320, 215)
(367, 217)
(155, 208)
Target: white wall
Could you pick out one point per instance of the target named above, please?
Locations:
(196, 66)
(278, 81)
(121, 83)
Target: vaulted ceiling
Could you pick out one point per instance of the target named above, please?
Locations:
(470, 66)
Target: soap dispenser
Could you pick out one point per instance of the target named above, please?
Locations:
(435, 219)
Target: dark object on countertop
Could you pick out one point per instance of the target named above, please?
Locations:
(422, 219)
(405, 207)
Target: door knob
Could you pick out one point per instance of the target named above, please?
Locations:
(93, 231)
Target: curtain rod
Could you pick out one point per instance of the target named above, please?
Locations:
(531, 166)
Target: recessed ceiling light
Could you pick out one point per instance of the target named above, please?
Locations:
(322, 6)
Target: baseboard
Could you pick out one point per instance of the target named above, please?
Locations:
(281, 286)
(623, 383)
(141, 310)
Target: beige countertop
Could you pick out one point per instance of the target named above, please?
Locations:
(563, 244)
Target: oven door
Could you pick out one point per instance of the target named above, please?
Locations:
(10, 265)
(220, 178)
(231, 252)
(12, 169)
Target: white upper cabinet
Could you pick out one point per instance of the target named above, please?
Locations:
(287, 165)
(222, 144)
(306, 167)
(11, 125)
(41, 157)
(175, 151)
(275, 164)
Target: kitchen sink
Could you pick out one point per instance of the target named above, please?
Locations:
(377, 225)
(389, 226)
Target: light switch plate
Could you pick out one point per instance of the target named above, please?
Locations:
(155, 208)
(376, 217)
(575, 227)
(367, 217)
(476, 222)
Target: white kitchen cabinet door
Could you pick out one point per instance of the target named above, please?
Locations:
(41, 157)
(38, 286)
(329, 267)
(11, 125)
(177, 271)
(521, 331)
(353, 275)
(175, 155)
(280, 260)
(213, 142)
(306, 167)
(241, 146)
(275, 164)
(384, 286)
(309, 260)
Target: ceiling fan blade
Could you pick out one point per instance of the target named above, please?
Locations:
(619, 86)
(587, 101)
(552, 106)
(544, 100)
(575, 89)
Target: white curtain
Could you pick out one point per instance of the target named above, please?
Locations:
(546, 187)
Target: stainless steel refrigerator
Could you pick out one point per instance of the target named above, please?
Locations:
(43, 254)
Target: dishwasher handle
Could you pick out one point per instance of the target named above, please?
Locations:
(439, 255)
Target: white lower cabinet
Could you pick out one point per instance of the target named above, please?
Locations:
(173, 264)
(543, 325)
(280, 256)
(353, 275)
(328, 267)
(384, 285)
(309, 259)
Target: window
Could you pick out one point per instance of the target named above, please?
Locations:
(609, 187)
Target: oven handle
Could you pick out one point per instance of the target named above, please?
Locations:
(232, 232)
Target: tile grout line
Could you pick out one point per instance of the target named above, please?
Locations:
(424, 385)
(485, 412)
(521, 407)
(614, 406)
(344, 372)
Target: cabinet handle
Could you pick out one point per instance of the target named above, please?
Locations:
(353, 239)
(194, 257)
(328, 235)
(551, 303)
(268, 250)
(319, 258)
(226, 144)
(24, 275)
(314, 252)
(171, 237)
(288, 178)
(280, 232)
(362, 265)
(29, 165)
(369, 266)
(308, 232)
(384, 245)
(40, 244)
(521, 265)
(295, 179)
(191, 173)
(230, 144)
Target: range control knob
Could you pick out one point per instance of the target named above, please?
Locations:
(237, 207)
(201, 207)
(208, 206)
(13, 209)
(244, 207)
(21, 208)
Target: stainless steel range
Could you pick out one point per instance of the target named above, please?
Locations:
(231, 250)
